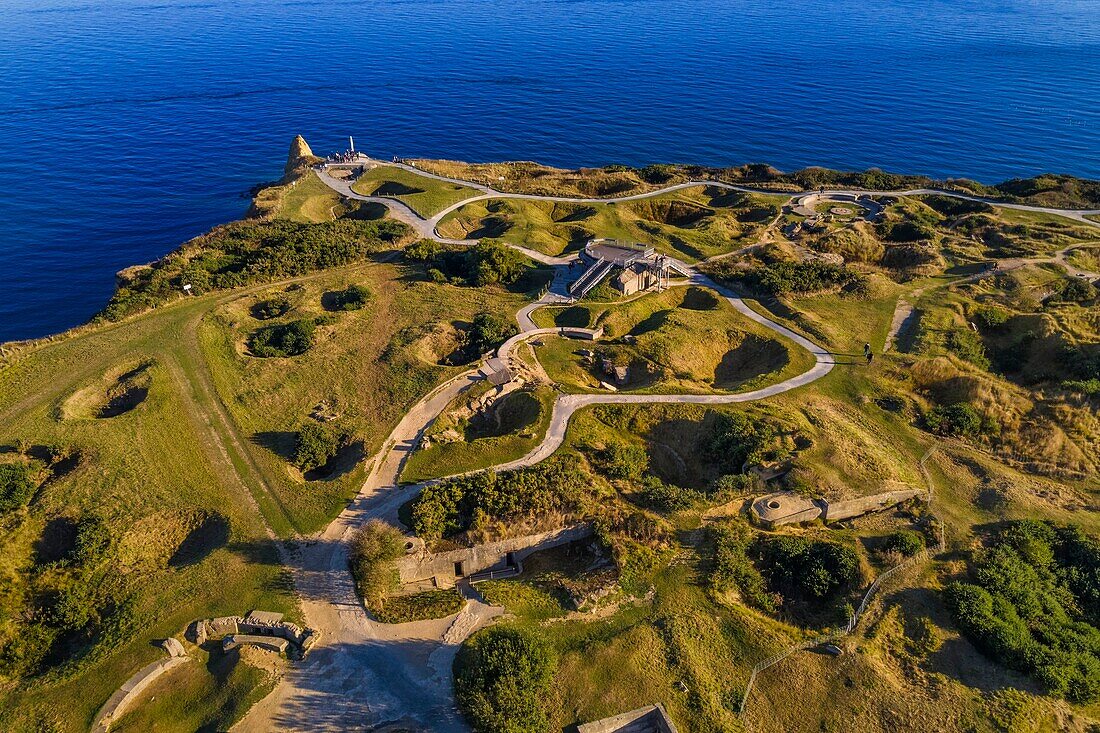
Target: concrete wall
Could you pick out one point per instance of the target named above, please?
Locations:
(652, 719)
(838, 510)
(423, 565)
(118, 703)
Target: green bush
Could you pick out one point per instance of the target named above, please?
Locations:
(374, 548)
(741, 439)
(265, 310)
(16, 487)
(620, 460)
(488, 331)
(487, 263)
(905, 542)
(803, 571)
(1087, 387)
(1033, 604)
(93, 540)
(656, 494)
(781, 278)
(449, 507)
(960, 420)
(351, 299)
(502, 677)
(282, 339)
(317, 444)
(991, 316)
(907, 231)
(420, 606)
(253, 251)
(1075, 290)
(731, 567)
(967, 345)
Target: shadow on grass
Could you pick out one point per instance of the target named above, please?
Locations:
(280, 442)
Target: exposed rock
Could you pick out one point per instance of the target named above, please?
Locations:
(300, 154)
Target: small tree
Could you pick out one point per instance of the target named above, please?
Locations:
(502, 675)
(317, 444)
(374, 548)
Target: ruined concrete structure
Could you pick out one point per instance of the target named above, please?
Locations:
(788, 507)
(421, 568)
(261, 628)
(650, 719)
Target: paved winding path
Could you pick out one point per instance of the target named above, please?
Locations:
(363, 674)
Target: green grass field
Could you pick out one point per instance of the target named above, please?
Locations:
(309, 201)
(426, 196)
(139, 470)
(212, 434)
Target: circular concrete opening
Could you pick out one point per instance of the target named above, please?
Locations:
(774, 504)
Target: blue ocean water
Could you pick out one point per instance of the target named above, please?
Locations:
(129, 126)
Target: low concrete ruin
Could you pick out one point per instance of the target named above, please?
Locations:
(260, 628)
(422, 568)
(650, 719)
(788, 507)
(271, 643)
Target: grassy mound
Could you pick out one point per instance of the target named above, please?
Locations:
(118, 393)
(691, 224)
(681, 340)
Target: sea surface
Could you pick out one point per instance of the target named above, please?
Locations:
(129, 126)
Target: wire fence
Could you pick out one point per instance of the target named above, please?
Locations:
(868, 596)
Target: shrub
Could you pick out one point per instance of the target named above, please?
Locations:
(502, 675)
(1087, 387)
(317, 444)
(488, 331)
(1075, 290)
(781, 278)
(284, 339)
(420, 606)
(622, 461)
(1033, 605)
(967, 345)
(740, 439)
(93, 540)
(656, 494)
(16, 487)
(351, 299)
(374, 548)
(253, 251)
(991, 316)
(265, 310)
(905, 542)
(907, 231)
(802, 570)
(446, 508)
(960, 420)
(488, 263)
(732, 569)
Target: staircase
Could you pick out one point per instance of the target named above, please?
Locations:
(590, 278)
